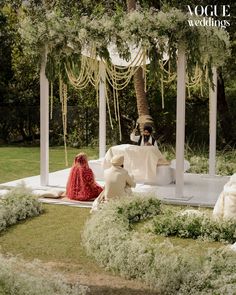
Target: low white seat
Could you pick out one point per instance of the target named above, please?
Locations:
(97, 167)
(165, 175)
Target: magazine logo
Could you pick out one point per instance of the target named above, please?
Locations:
(211, 15)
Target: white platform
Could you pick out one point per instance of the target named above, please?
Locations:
(199, 189)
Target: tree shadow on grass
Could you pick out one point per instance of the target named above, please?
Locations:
(103, 290)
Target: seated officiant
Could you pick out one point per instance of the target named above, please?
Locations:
(139, 160)
(146, 138)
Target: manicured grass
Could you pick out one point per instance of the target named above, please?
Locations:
(54, 236)
(20, 162)
(198, 247)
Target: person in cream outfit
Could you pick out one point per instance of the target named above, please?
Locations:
(118, 182)
(225, 206)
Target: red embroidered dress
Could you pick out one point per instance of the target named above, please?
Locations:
(81, 184)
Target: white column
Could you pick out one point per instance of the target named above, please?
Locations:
(180, 122)
(102, 110)
(44, 124)
(213, 124)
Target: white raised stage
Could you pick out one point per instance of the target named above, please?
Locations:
(199, 189)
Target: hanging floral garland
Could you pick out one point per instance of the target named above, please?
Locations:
(156, 31)
(117, 76)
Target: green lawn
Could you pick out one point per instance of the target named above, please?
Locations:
(20, 162)
(54, 236)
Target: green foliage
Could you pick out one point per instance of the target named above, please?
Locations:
(70, 26)
(65, 35)
(20, 76)
(137, 210)
(18, 204)
(198, 157)
(194, 225)
(168, 269)
(36, 279)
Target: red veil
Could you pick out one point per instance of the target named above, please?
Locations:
(81, 184)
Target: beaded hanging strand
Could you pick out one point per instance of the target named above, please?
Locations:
(63, 100)
(51, 100)
(117, 76)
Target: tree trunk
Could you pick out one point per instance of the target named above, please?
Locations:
(131, 5)
(225, 118)
(142, 104)
(139, 86)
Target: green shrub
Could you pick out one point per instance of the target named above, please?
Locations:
(139, 209)
(198, 157)
(195, 226)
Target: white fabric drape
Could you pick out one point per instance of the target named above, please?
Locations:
(225, 206)
(140, 161)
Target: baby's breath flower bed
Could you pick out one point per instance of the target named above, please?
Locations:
(18, 204)
(110, 238)
(195, 226)
(34, 280)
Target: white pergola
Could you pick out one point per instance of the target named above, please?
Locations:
(180, 121)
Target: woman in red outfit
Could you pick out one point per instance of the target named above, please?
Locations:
(81, 184)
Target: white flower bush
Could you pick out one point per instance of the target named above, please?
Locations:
(196, 225)
(109, 238)
(149, 28)
(34, 280)
(18, 204)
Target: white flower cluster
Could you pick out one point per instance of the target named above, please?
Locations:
(164, 267)
(18, 204)
(34, 280)
(146, 27)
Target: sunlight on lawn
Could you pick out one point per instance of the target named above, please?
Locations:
(54, 236)
(20, 162)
